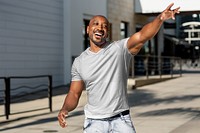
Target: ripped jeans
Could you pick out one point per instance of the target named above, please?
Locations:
(122, 124)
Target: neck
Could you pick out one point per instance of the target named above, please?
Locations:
(96, 48)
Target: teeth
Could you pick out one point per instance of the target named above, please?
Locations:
(99, 34)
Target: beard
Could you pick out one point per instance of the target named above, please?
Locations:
(99, 43)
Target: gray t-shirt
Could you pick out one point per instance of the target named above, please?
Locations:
(105, 76)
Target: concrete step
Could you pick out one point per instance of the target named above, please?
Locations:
(133, 83)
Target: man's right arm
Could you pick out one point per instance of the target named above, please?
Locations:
(71, 101)
(137, 40)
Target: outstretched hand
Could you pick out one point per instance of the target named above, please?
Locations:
(169, 13)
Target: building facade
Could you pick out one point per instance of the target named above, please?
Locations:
(121, 16)
(31, 38)
(42, 37)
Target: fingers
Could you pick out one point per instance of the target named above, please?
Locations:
(169, 7)
(171, 13)
(61, 118)
(175, 11)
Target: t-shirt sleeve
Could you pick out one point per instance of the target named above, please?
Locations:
(126, 52)
(126, 48)
(123, 46)
(75, 71)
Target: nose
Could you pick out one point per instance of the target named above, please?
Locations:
(100, 27)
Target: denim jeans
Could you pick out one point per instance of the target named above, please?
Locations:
(121, 124)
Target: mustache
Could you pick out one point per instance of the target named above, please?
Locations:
(99, 31)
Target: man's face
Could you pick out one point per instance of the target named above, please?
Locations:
(98, 30)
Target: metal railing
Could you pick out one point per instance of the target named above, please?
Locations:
(148, 65)
(7, 91)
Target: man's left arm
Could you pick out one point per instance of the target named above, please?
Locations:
(137, 40)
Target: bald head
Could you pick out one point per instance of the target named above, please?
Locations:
(99, 16)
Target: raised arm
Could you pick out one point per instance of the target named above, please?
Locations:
(137, 40)
(71, 101)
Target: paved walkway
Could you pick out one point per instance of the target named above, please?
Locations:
(171, 106)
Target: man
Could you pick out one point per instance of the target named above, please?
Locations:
(102, 70)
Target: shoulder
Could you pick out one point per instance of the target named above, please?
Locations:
(121, 43)
(82, 55)
(77, 60)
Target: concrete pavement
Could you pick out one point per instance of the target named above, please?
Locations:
(171, 106)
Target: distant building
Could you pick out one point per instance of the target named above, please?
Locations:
(173, 36)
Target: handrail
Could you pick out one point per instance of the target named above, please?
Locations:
(7, 82)
(155, 65)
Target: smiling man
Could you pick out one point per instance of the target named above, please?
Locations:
(98, 30)
(102, 70)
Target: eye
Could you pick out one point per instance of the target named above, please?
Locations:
(105, 26)
(95, 23)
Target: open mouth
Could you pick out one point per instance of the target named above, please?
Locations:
(98, 34)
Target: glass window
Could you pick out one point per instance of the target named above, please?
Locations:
(124, 29)
(86, 41)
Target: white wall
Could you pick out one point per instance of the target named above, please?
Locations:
(39, 37)
(31, 38)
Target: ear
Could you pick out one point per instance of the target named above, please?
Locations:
(87, 29)
(108, 33)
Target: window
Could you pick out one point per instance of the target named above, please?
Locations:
(124, 29)
(86, 41)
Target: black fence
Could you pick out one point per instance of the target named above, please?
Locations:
(5, 94)
(154, 65)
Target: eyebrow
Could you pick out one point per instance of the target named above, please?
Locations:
(95, 20)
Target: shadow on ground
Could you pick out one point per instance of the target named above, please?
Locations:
(136, 98)
(40, 94)
(145, 98)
